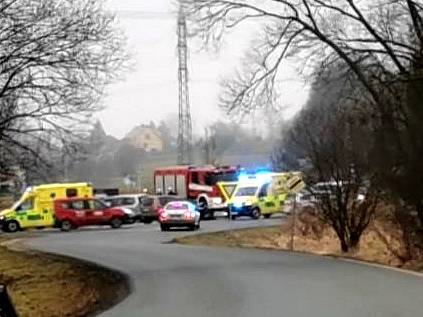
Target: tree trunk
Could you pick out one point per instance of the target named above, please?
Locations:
(419, 208)
(354, 242)
(344, 247)
(403, 219)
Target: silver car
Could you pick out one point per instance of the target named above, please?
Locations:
(132, 202)
(179, 214)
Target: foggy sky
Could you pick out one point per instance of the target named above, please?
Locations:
(150, 92)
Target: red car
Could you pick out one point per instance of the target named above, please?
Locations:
(72, 213)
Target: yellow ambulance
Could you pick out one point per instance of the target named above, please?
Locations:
(261, 194)
(35, 208)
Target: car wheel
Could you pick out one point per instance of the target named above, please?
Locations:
(12, 226)
(255, 213)
(130, 221)
(197, 226)
(116, 223)
(233, 217)
(203, 208)
(192, 227)
(164, 227)
(148, 221)
(267, 216)
(66, 226)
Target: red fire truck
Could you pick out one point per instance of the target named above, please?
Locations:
(196, 183)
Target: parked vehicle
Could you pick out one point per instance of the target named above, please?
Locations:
(152, 204)
(324, 190)
(301, 200)
(179, 214)
(131, 202)
(245, 201)
(35, 209)
(261, 194)
(197, 183)
(72, 213)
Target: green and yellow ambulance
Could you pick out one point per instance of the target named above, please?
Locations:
(35, 208)
(260, 194)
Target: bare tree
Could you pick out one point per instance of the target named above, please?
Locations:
(336, 139)
(368, 36)
(380, 44)
(346, 197)
(209, 144)
(56, 57)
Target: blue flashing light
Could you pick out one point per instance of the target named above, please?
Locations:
(243, 177)
(238, 204)
(261, 176)
(264, 176)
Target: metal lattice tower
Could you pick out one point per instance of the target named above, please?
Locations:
(185, 124)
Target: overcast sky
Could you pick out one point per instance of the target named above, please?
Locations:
(150, 92)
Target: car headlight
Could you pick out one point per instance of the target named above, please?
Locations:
(1, 218)
(248, 203)
(129, 212)
(238, 204)
(217, 200)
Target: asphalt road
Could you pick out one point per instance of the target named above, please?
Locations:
(171, 280)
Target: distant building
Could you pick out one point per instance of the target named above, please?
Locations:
(146, 137)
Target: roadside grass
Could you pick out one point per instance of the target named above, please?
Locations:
(381, 243)
(47, 285)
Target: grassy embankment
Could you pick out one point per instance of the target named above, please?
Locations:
(47, 285)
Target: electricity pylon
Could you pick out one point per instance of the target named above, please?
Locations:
(185, 124)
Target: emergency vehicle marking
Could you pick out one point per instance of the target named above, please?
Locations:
(205, 188)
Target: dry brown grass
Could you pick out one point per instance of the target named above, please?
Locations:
(46, 285)
(381, 243)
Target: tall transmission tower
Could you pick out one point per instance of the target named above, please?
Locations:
(185, 124)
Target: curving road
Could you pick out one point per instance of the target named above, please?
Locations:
(171, 280)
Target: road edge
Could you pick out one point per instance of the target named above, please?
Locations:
(327, 256)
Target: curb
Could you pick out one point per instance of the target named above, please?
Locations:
(377, 265)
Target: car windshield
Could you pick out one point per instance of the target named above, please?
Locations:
(147, 201)
(164, 200)
(177, 206)
(95, 204)
(246, 191)
(112, 202)
(120, 201)
(127, 201)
